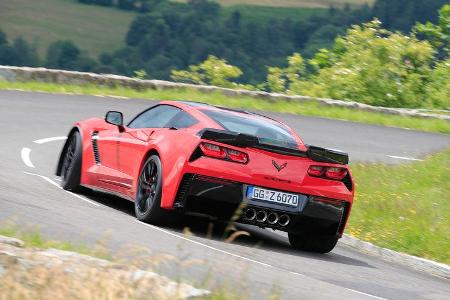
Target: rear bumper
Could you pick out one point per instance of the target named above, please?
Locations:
(225, 199)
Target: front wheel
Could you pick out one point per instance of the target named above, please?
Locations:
(318, 244)
(147, 205)
(71, 165)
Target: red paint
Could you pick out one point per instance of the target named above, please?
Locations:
(123, 153)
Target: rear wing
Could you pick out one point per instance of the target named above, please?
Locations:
(244, 140)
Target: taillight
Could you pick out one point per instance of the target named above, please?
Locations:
(336, 173)
(212, 150)
(316, 171)
(220, 152)
(333, 173)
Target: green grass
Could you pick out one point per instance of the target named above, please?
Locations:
(261, 14)
(93, 28)
(405, 208)
(33, 238)
(307, 109)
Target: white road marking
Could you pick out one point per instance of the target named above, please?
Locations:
(365, 294)
(59, 187)
(25, 154)
(405, 158)
(239, 256)
(50, 139)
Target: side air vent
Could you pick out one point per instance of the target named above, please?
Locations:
(94, 138)
(183, 190)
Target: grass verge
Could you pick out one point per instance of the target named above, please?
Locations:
(33, 238)
(406, 207)
(217, 98)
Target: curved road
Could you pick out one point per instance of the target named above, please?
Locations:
(254, 266)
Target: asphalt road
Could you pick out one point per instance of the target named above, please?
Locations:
(254, 266)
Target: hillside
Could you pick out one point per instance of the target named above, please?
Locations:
(93, 28)
(293, 3)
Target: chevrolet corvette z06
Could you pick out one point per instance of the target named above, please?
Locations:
(182, 157)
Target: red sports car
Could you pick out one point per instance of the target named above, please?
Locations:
(188, 157)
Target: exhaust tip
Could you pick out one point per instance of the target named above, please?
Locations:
(284, 220)
(261, 216)
(250, 214)
(272, 218)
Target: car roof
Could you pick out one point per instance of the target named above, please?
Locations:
(205, 106)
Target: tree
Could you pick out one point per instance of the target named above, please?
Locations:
(438, 35)
(214, 71)
(63, 55)
(369, 65)
(26, 55)
(3, 39)
(438, 86)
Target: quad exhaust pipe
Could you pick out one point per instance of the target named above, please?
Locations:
(250, 214)
(284, 220)
(272, 218)
(262, 216)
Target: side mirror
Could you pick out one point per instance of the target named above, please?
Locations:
(114, 117)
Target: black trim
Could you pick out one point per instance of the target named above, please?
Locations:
(244, 140)
(221, 198)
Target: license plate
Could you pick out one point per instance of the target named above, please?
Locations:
(254, 192)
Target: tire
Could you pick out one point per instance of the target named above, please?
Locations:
(71, 165)
(147, 205)
(318, 244)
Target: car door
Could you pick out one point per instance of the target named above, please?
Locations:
(138, 134)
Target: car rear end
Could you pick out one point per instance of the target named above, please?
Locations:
(258, 182)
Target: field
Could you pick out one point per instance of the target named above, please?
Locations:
(293, 3)
(93, 28)
(251, 13)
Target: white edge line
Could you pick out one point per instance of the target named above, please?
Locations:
(239, 256)
(59, 187)
(51, 139)
(25, 154)
(405, 158)
(206, 246)
(365, 294)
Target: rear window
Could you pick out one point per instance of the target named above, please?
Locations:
(267, 131)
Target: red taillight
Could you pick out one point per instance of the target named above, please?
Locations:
(334, 173)
(237, 156)
(316, 171)
(212, 150)
(216, 151)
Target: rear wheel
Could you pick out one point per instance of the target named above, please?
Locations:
(149, 192)
(319, 244)
(71, 166)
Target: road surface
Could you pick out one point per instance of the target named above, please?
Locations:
(31, 127)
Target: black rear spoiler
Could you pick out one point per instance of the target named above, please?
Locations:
(244, 140)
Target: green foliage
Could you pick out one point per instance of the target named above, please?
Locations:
(374, 66)
(65, 55)
(213, 71)
(438, 35)
(438, 88)
(370, 65)
(282, 79)
(18, 53)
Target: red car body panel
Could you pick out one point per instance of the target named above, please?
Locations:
(124, 151)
